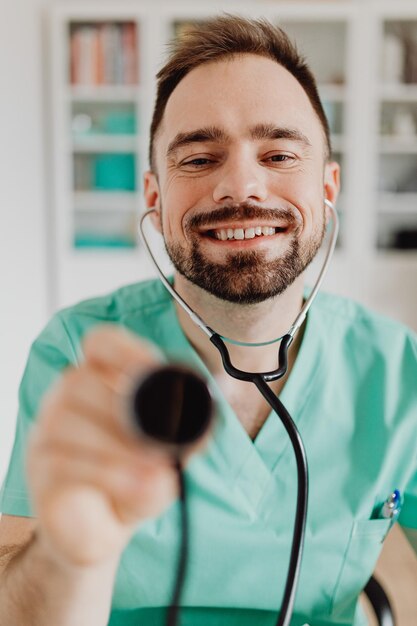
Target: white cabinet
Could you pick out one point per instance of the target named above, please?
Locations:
(104, 62)
(397, 94)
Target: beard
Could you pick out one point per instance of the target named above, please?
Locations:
(245, 276)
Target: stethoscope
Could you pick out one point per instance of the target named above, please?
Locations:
(183, 389)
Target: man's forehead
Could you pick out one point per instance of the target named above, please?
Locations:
(239, 92)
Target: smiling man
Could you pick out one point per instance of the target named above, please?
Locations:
(240, 172)
(244, 176)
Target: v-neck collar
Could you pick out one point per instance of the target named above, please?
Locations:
(246, 464)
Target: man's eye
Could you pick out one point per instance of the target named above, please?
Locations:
(280, 158)
(200, 162)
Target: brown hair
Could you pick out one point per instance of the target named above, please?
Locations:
(225, 36)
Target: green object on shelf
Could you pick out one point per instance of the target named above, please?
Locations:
(120, 122)
(95, 241)
(115, 172)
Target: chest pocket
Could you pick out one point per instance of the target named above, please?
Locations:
(364, 546)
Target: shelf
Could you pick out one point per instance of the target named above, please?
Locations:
(398, 145)
(403, 259)
(398, 93)
(397, 203)
(362, 110)
(105, 143)
(104, 93)
(86, 242)
(105, 201)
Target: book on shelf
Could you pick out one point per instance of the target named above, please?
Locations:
(103, 54)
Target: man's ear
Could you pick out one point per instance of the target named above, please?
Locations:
(331, 183)
(152, 198)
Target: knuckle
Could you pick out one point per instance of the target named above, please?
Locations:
(43, 462)
(55, 461)
(94, 339)
(71, 378)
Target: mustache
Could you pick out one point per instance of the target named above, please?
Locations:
(242, 211)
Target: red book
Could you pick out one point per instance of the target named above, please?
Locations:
(75, 57)
(100, 55)
(130, 56)
(95, 55)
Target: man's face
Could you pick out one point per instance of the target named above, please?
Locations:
(241, 183)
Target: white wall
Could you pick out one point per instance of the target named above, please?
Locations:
(23, 288)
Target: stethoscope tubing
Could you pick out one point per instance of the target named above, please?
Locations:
(172, 614)
(260, 379)
(300, 519)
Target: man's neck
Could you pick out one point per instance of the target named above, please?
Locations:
(247, 323)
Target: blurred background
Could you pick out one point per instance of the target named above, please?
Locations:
(76, 102)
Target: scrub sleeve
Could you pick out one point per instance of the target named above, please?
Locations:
(50, 354)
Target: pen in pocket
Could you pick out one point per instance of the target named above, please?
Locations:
(392, 507)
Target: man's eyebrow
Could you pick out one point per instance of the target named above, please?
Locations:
(200, 135)
(218, 135)
(270, 131)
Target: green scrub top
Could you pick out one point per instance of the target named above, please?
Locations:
(353, 395)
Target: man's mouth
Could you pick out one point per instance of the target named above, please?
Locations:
(224, 234)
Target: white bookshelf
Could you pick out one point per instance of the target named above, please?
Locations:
(397, 198)
(343, 42)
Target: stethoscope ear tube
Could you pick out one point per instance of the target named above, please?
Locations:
(260, 380)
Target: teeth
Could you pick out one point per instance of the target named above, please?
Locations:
(239, 233)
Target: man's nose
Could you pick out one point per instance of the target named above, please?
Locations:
(241, 180)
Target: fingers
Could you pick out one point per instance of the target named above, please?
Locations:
(96, 438)
(87, 468)
(119, 355)
(81, 394)
(134, 490)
